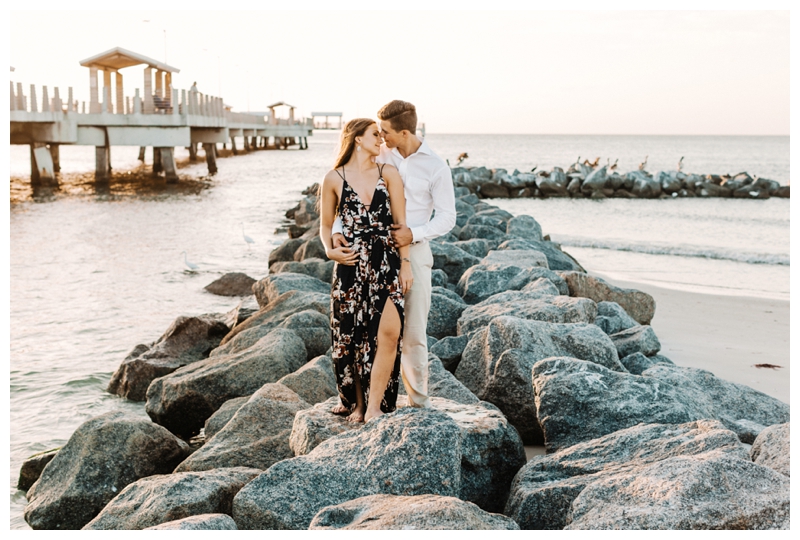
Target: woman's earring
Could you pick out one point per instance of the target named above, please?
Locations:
(358, 148)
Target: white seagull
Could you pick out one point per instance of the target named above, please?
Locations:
(190, 265)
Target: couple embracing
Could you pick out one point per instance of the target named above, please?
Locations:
(375, 223)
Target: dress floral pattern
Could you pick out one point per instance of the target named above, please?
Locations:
(359, 294)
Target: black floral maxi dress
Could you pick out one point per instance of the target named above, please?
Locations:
(359, 294)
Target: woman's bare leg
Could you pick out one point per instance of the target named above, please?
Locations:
(358, 413)
(388, 334)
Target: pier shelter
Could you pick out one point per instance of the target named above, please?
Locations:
(326, 124)
(157, 97)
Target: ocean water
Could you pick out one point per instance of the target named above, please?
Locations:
(95, 270)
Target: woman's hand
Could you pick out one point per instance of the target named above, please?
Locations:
(342, 255)
(406, 276)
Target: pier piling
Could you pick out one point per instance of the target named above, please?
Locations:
(102, 163)
(168, 163)
(157, 166)
(211, 157)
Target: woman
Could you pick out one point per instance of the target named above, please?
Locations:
(370, 278)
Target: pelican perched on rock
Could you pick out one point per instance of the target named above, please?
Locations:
(614, 165)
(680, 163)
(592, 164)
(643, 164)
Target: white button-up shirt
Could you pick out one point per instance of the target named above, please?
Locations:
(428, 187)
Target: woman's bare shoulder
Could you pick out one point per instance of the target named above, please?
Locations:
(332, 178)
(391, 174)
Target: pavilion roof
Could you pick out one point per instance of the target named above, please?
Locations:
(279, 103)
(119, 58)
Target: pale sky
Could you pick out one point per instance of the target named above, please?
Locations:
(593, 72)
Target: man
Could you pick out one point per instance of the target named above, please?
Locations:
(428, 187)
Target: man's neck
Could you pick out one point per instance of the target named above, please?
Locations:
(410, 146)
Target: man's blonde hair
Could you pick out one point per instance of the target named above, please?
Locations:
(400, 115)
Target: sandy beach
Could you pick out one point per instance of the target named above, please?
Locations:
(726, 335)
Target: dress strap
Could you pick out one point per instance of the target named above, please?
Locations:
(341, 174)
(380, 170)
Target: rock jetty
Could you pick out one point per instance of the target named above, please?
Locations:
(526, 347)
(591, 181)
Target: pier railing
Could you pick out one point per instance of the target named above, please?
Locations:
(193, 105)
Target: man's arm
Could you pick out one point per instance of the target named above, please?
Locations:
(444, 204)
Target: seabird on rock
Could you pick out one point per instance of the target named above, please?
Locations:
(643, 164)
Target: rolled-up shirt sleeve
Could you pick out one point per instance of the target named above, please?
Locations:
(337, 226)
(444, 206)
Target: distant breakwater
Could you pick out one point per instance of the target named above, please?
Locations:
(583, 181)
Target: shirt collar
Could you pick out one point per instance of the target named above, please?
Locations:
(423, 149)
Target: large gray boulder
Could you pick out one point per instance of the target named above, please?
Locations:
(490, 451)
(222, 416)
(453, 260)
(611, 318)
(232, 284)
(419, 512)
(537, 304)
(737, 406)
(525, 227)
(285, 252)
(183, 400)
(443, 384)
(322, 270)
(486, 232)
(477, 247)
(202, 522)
(307, 210)
(481, 281)
(103, 455)
(639, 338)
(410, 452)
(595, 181)
(256, 436)
(32, 468)
(494, 217)
(312, 248)
(637, 363)
(446, 308)
(771, 448)
(169, 497)
(315, 382)
(449, 351)
(714, 491)
(271, 287)
(313, 328)
(187, 340)
(557, 259)
(543, 491)
(496, 364)
(639, 305)
(273, 315)
(524, 258)
(643, 185)
(599, 401)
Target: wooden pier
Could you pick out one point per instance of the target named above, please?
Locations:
(160, 116)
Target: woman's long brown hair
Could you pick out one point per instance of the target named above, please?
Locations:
(354, 128)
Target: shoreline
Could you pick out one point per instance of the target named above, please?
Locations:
(724, 334)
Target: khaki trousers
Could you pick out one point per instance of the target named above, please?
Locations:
(414, 359)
